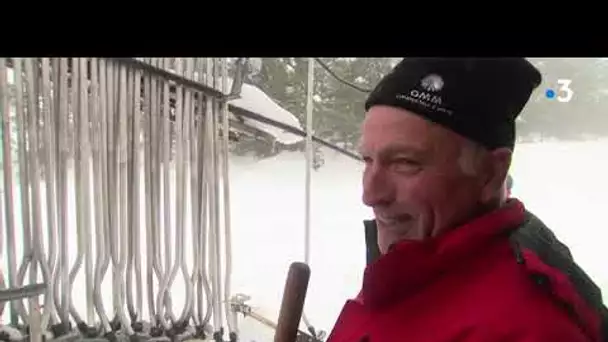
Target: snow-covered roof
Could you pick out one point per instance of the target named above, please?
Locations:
(255, 100)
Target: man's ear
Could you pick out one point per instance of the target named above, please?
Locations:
(497, 168)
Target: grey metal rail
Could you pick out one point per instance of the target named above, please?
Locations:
(26, 291)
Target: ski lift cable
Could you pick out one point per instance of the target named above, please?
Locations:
(117, 232)
(26, 258)
(103, 229)
(205, 154)
(131, 204)
(123, 188)
(81, 121)
(123, 229)
(157, 116)
(309, 162)
(114, 239)
(97, 229)
(206, 258)
(164, 162)
(62, 283)
(81, 248)
(8, 189)
(33, 271)
(178, 113)
(181, 136)
(49, 176)
(197, 226)
(85, 147)
(3, 286)
(188, 312)
(230, 315)
(195, 210)
(164, 229)
(339, 79)
(62, 263)
(174, 266)
(215, 213)
(210, 196)
(166, 147)
(39, 255)
(155, 151)
(134, 265)
(149, 107)
(178, 157)
(189, 189)
(8, 181)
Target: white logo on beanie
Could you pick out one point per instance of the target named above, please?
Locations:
(427, 96)
(432, 83)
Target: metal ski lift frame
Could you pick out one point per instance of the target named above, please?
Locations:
(238, 112)
(33, 74)
(170, 89)
(240, 71)
(22, 292)
(239, 304)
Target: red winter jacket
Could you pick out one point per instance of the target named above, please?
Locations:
(502, 277)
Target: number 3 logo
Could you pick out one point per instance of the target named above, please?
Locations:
(564, 91)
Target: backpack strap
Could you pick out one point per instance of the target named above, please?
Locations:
(371, 241)
(534, 235)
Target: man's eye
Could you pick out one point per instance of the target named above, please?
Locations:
(405, 161)
(406, 165)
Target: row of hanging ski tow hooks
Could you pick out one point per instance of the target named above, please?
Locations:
(86, 143)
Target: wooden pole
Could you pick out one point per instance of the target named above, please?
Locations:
(292, 305)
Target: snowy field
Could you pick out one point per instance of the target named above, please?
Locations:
(563, 183)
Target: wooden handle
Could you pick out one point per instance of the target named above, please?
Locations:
(292, 305)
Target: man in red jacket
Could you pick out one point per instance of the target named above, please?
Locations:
(450, 257)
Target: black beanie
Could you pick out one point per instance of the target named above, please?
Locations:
(478, 98)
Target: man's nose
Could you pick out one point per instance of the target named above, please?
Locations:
(378, 187)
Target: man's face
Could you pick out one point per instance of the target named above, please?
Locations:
(413, 178)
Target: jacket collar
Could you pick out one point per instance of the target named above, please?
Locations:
(409, 265)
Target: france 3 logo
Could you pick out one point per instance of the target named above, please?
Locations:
(562, 92)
